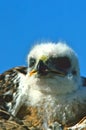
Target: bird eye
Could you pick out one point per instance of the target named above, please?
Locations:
(32, 62)
(61, 62)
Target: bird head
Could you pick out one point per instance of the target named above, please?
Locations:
(53, 68)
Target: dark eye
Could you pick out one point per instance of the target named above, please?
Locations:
(32, 62)
(61, 62)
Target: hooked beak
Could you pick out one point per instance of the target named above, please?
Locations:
(33, 72)
(43, 70)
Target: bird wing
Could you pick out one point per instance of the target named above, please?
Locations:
(9, 82)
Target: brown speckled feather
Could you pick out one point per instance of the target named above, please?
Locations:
(9, 82)
(31, 120)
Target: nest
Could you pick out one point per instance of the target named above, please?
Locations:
(10, 123)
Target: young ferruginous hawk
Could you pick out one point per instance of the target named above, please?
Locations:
(49, 90)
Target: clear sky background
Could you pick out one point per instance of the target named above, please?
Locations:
(25, 22)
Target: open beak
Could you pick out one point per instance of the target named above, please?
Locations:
(58, 72)
(43, 70)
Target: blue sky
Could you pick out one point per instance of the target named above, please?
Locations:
(25, 22)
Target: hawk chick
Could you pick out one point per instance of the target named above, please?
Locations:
(50, 87)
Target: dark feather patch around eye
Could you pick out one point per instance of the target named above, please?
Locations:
(32, 62)
(61, 62)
